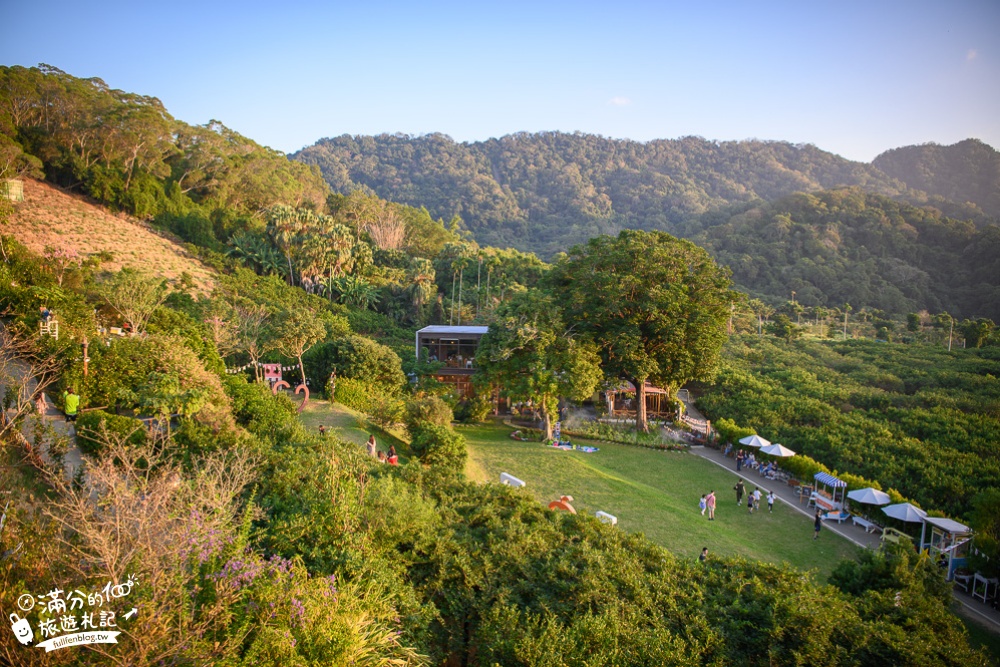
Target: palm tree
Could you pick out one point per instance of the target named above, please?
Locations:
(283, 228)
(459, 266)
(421, 282)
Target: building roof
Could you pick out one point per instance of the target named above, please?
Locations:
(949, 525)
(829, 480)
(442, 329)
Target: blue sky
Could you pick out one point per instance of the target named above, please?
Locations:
(855, 78)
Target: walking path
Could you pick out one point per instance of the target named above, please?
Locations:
(989, 617)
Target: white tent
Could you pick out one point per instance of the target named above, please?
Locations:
(754, 441)
(905, 512)
(870, 496)
(777, 450)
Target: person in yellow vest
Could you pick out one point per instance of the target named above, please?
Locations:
(71, 404)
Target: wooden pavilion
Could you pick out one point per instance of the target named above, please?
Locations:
(621, 402)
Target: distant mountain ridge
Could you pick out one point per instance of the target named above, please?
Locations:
(968, 171)
(849, 246)
(547, 191)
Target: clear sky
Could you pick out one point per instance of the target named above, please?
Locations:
(852, 77)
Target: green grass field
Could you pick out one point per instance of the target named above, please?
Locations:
(652, 492)
(347, 424)
(656, 493)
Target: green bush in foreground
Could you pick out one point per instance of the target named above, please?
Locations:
(439, 446)
(94, 427)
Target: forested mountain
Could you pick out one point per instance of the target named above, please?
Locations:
(968, 171)
(849, 246)
(545, 192)
(127, 151)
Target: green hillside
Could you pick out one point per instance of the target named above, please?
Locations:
(850, 246)
(544, 192)
(968, 171)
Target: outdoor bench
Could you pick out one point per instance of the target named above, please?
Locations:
(866, 524)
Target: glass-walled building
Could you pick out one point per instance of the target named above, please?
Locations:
(455, 347)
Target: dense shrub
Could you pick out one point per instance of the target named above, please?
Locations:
(355, 394)
(385, 411)
(156, 375)
(836, 404)
(474, 410)
(357, 358)
(439, 446)
(256, 409)
(427, 409)
(730, 432)
(95, 426)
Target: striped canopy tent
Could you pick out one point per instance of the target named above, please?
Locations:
(838, 487)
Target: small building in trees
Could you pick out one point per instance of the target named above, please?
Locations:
(620, 402)
(947, 541)
(455, 347)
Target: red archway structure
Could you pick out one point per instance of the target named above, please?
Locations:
(277, 385)
(563, 504)
(305, 399)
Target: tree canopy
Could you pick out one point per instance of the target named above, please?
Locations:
(531, 354)
(657, 306)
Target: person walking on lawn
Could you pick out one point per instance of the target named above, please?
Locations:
(739, 492)
(710, 501)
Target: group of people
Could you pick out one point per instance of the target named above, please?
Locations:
(708, 501)
(768, 469)
(371, 447)
(745, 459)
(389, 457)
(707, 504)
(753, 498)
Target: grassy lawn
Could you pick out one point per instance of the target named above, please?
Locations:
(347, 424)
(981, 637)
(656, 493)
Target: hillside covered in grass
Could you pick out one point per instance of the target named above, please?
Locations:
(50, 219)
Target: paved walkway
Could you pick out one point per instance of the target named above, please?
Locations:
(988, 617)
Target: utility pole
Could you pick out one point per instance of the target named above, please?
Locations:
(86, 359)
(951, 330)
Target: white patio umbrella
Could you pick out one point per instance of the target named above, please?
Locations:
(777, 450)
(905, 512)
(870, 496)
(754, 441)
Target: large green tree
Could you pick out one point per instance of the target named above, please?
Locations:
(533, 356)
(656, 305)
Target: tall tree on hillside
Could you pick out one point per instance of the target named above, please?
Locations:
(420, 278)
(134, 296)
(532, 355)
(656, 305)
(284, 225)
(297, 331)
(254, 333)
